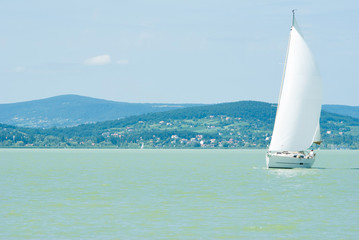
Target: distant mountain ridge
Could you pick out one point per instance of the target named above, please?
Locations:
(72, 110)
(352, 111)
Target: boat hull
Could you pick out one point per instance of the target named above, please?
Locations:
(291, 160)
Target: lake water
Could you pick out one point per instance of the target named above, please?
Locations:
(175, 194)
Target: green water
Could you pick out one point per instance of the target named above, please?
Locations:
(175, 194)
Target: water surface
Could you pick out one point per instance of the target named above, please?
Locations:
(175, 194)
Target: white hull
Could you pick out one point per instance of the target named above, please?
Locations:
(289, 160)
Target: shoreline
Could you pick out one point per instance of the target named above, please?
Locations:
(147, 149)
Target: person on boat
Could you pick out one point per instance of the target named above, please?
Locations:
(311, 154)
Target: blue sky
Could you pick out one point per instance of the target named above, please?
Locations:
(172, 51)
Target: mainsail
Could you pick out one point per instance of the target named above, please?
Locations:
(299, 106)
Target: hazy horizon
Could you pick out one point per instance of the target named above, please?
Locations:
(161, 102)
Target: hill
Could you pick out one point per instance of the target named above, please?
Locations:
(245, 124)
(72, 110)
(352, 111)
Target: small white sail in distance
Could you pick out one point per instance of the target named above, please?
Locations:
(317, 137)
(300, 100)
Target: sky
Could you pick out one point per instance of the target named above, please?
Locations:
(160, 51)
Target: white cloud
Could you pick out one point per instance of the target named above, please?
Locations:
(98, 60)
(122, 61)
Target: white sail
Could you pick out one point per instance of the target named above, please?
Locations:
(317, 137)
(300, 100)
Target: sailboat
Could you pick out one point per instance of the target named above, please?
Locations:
(296, 125)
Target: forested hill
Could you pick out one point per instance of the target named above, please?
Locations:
(248, 110)
(72, 110)
(245, 124)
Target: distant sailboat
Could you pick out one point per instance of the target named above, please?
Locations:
(296, 125)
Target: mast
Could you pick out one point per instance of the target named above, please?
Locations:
(293, 11)
(283, 74)
(285, 62)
